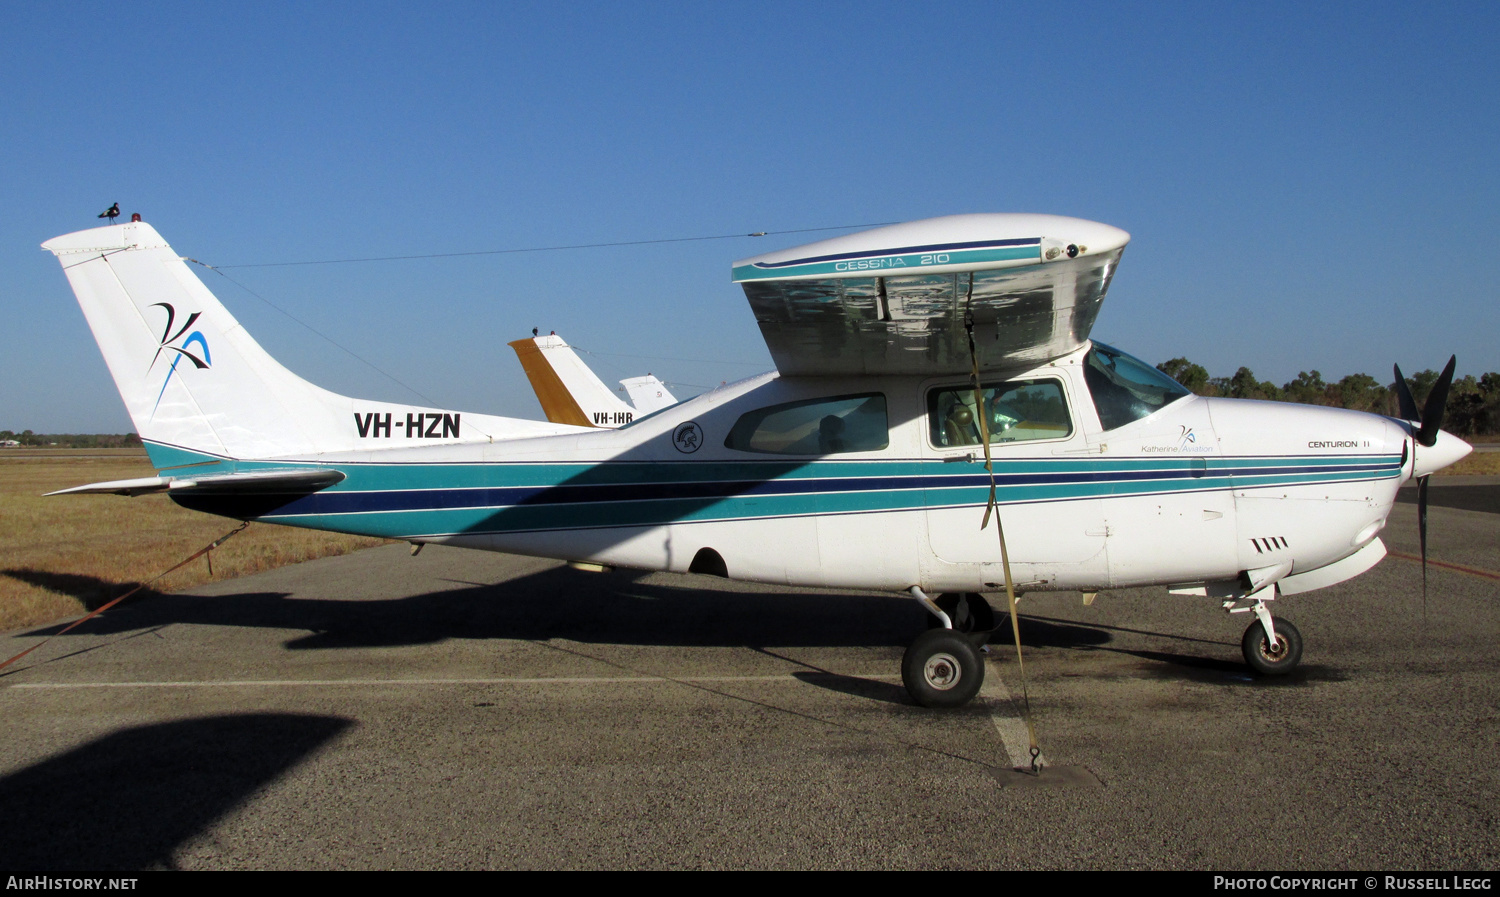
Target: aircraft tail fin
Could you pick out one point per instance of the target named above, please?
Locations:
(570, 393)
(193, 379)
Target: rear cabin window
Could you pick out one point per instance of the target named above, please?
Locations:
(1015, 411)
(814, 427)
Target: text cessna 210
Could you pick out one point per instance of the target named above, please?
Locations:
(859, 463)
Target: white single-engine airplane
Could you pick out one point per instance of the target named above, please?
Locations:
(907, 356)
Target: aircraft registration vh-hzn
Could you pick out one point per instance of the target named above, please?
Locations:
(931, 377)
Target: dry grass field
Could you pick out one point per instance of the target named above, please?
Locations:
(59, 556)
(1476, 464)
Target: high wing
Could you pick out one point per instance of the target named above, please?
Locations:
(894, 300)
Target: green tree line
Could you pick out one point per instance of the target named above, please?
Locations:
(1473, 403)
(73, 440)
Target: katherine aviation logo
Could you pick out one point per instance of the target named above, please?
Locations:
(193, 347)
(1187, 444)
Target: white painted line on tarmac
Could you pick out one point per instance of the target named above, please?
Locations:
(550, 680)
(1006, 716)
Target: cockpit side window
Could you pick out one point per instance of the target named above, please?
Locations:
(1015, 411)
(830, 426)
(1126, 389)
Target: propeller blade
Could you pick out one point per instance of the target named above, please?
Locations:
(1403, 395)
(1422, 533)
(1437, 403)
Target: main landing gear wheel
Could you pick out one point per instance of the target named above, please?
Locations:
(942, 668)
(968, 611)
(1268, 659)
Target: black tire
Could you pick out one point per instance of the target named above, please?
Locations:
(942, 668)
(969, 612)
(1268, 661)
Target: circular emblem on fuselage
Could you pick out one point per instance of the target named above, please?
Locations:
(688, 437)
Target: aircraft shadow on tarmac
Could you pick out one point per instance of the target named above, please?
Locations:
(1174, 664)
(605, 608)
(1169, 665)
(620, 607)
(91, 590)
(128, 800)
(870, 689)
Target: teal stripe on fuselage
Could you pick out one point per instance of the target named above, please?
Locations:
(597, 515)
(379, 476)
(169, 457)
(1099, 478)
(583, 513)
(967, 495)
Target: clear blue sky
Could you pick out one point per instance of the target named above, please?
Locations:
(1307, 185)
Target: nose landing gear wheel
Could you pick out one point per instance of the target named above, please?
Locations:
(1268, 659)
(942, 668)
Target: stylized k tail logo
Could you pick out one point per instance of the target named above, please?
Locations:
(168, 337)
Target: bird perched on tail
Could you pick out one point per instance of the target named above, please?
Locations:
(111, 213)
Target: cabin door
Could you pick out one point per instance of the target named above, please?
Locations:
(1054, 524)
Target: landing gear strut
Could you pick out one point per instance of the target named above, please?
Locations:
(944, 666)
(1272, 647)
(969, 612)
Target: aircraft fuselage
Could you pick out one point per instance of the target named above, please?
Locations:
(1197, 491)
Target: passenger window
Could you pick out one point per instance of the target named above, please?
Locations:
(814, 427)
(1016, 411)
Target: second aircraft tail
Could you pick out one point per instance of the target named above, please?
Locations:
(570, 393)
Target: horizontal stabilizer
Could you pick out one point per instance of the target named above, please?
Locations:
(252, 481)
(648, 394)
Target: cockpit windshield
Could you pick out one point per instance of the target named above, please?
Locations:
(1126, 389)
